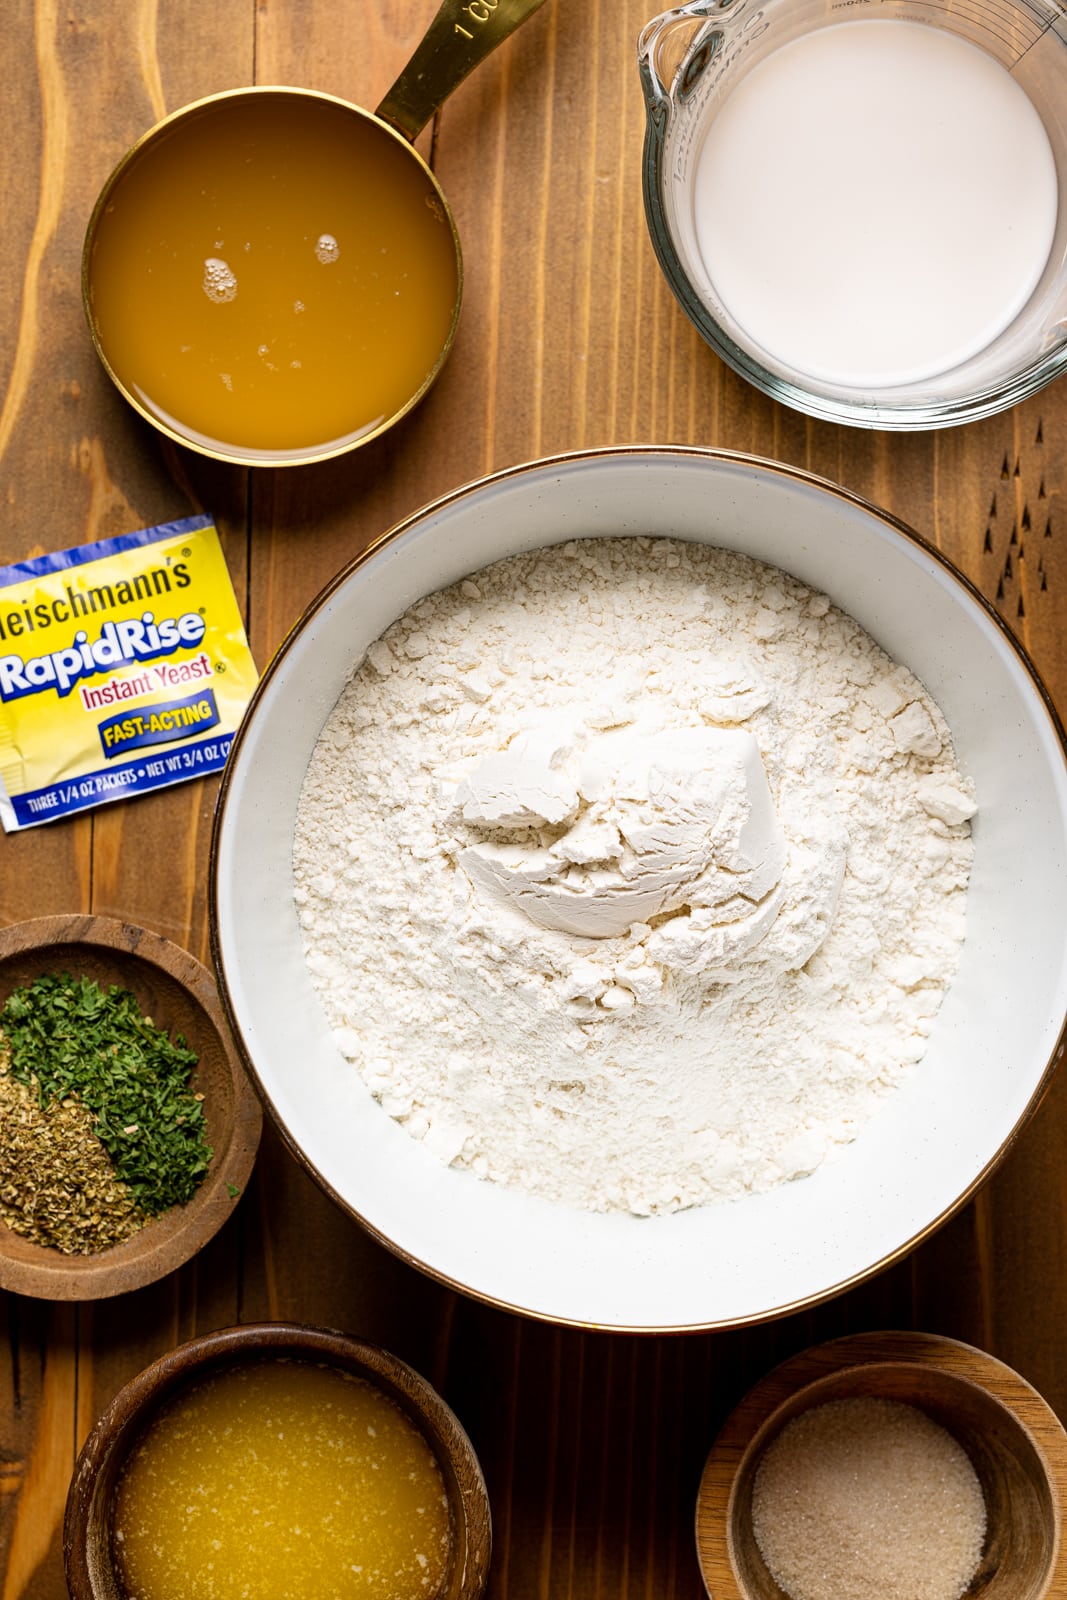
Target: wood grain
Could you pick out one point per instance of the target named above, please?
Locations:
(592, 1445)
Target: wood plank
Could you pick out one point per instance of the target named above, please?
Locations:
(77, 466)
(569, 338)
(40, 1387)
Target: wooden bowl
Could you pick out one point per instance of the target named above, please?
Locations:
(87, 1527)
(179, 995)
(1015, 1442)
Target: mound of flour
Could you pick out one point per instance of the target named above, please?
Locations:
(632, 872)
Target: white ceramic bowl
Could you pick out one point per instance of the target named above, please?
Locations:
(995, 1039)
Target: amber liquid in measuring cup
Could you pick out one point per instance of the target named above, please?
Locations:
(274, 275)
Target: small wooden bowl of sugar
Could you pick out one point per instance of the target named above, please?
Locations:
(886, 1466)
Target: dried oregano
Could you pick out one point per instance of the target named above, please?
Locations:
(57, 1184)
(77, 1047)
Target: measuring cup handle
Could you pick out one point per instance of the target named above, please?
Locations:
(664, 42)
(459, 37)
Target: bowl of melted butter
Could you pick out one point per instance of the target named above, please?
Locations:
(277, 1460)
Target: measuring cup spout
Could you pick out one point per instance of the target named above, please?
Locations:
(460, 36)
(686, 34)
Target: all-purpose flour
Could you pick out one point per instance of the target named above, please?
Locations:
(632, 872)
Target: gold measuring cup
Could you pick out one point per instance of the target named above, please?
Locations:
(273, 276)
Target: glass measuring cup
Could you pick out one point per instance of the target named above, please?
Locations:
(273, 276)
(691, 60)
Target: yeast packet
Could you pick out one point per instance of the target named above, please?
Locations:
(124, 667)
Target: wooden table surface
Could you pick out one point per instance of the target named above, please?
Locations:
(592, 1444)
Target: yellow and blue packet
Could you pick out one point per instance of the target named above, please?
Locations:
(124, 667)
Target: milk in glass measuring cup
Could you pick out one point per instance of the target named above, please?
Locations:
(859, 202)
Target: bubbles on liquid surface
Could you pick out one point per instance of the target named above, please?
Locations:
(326, 248)
(220, 284)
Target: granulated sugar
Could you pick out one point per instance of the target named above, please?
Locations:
(868, 1499)
(632, 872)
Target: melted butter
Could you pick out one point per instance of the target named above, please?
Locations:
(281, 1480)
(274, 274)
